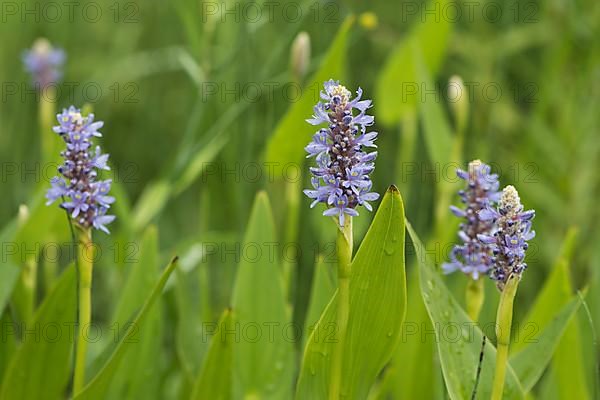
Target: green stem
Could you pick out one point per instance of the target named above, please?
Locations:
(503, 326)
(47, 115)
(85, 306)
(474, 296)
(344, 249)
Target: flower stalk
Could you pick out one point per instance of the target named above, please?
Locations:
(474, 296)
(503, 327)
(85, 266)
(344, 246)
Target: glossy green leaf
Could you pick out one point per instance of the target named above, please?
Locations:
(377, 309)
(458, 338)
(263, 353)
(398, 88)
(214, 380)
(40, 368)
(100, 384)
(286, 145)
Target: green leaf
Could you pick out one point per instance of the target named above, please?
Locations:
(412, 372)
(100, 384)
(568, 359)
(9, 273)
(323, 288)
(286, 145)
(263, 355)
(458, 339)
(41, 366)
(377, 309)
(214, 380)
(530, 363)
(193, 309)
(398, 78)
(138, 374)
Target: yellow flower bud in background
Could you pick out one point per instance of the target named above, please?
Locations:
(368, 20)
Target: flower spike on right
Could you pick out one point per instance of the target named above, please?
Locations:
(508, 244)
(509, 240)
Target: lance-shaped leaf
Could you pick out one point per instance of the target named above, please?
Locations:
(567, 364)
(377, 309)
(40, 368)
(214, 380)
(262, 352)
(100, 384)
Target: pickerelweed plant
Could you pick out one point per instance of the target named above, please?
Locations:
(474, 257)
(512, 230)
(86, 201)
(341, 181)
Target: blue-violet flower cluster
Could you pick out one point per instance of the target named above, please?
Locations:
(474, 257)
(83, 195)
(509, 240)
(341, 178)
(44, 63)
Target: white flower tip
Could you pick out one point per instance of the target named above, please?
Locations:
(510, 198)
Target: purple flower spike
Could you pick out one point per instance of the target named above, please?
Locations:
(341, 178)
(509, 241)
(44, 63)
(85, 197)
(474, 257)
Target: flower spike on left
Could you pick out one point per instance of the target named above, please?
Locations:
(341, 178)
(82, 194)
(85, 198)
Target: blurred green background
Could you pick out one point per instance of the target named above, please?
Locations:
(195, 97)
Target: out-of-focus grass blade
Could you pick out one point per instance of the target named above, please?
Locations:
(151, 202)
(8, 344)
(377, 309)
(193, 309)
(531, 361)
(8, 277)
(443, 147)
(398, 89)
(458, 340)
(263, 355)
(323, 288)
(40, 368)
(100, 384)
(138, 375)
(286, 145)
(214, 381)
(567, 363)
(198, 162)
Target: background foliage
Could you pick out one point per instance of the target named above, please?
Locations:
(186, 135)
